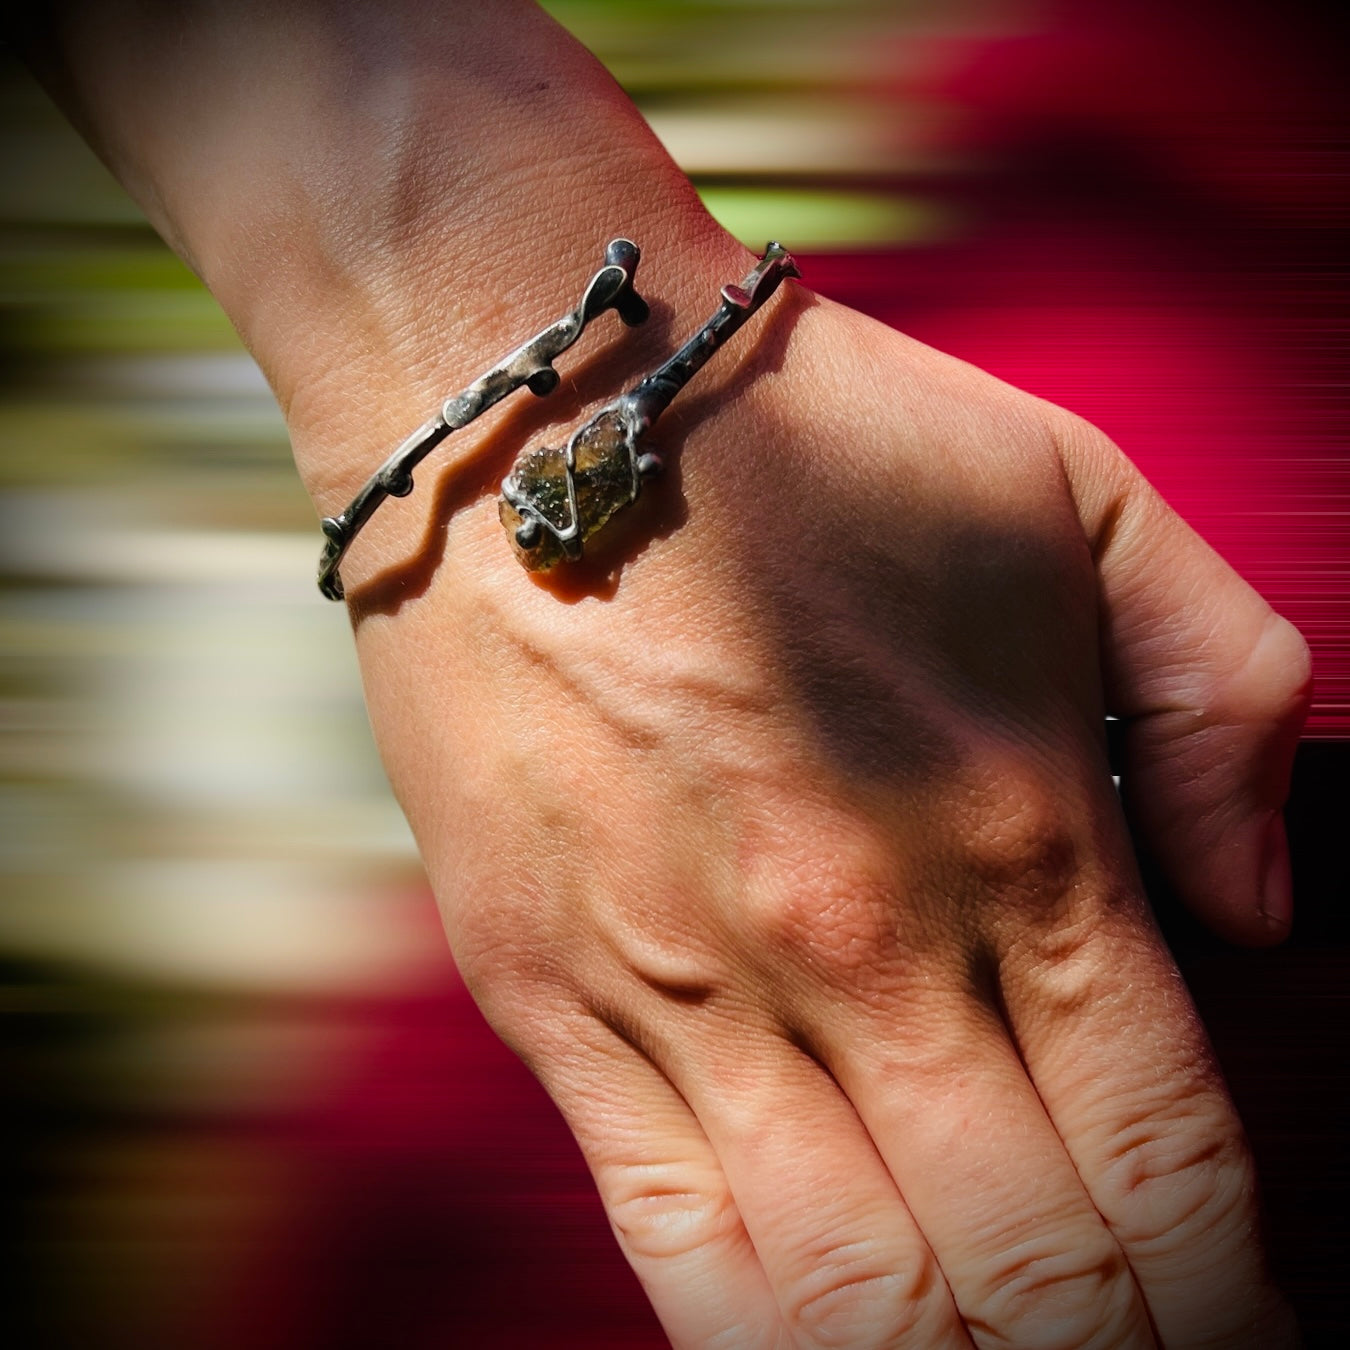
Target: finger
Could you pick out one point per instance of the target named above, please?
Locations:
(1027, 1256)
(665, 1193)
(1106, 1029)
(847, 1264)
(1213, 686)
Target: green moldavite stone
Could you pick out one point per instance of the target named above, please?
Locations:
(604, 485)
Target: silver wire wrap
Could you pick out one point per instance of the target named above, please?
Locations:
(553, 500)
(530, 365)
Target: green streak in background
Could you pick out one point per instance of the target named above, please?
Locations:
(685, 48)
(71, 319)
(746, 55)
(820, 218)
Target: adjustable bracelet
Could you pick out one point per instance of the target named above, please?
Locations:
(553, 500)
(530, 365)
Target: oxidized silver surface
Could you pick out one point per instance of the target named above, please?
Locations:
(530, 365)
(553, 500)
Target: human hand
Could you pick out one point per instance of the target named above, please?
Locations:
(778, 837)
(782, 846)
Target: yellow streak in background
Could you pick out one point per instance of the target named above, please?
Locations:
(822, 219)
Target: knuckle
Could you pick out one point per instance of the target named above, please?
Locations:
(852, 1298)
(520, 991)
(1063, 969)
(743, 1335)
(501, 954)
(1056, 1295)
(1266, 679)
(1172, 1174)
(667, 1211)
(1291, 673)
(833, 913)
(1015, 836)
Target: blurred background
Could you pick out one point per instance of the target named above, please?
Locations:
(248, 1101)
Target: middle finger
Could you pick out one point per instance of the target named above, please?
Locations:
(961, 1128)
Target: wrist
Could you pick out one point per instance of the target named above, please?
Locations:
(361, 354)
(385, 204)
(381, 359)
(468, 241)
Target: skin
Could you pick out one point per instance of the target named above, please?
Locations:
(777, 837)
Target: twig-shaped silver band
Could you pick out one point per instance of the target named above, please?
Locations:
(530, 365)
(554, 499)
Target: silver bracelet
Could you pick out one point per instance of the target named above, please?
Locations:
(554, 499)
(530, 365)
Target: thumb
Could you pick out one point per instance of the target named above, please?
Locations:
(1213, 687)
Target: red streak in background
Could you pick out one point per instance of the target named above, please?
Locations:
(436, 1200)
(1159, 242)
(1201, 392)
